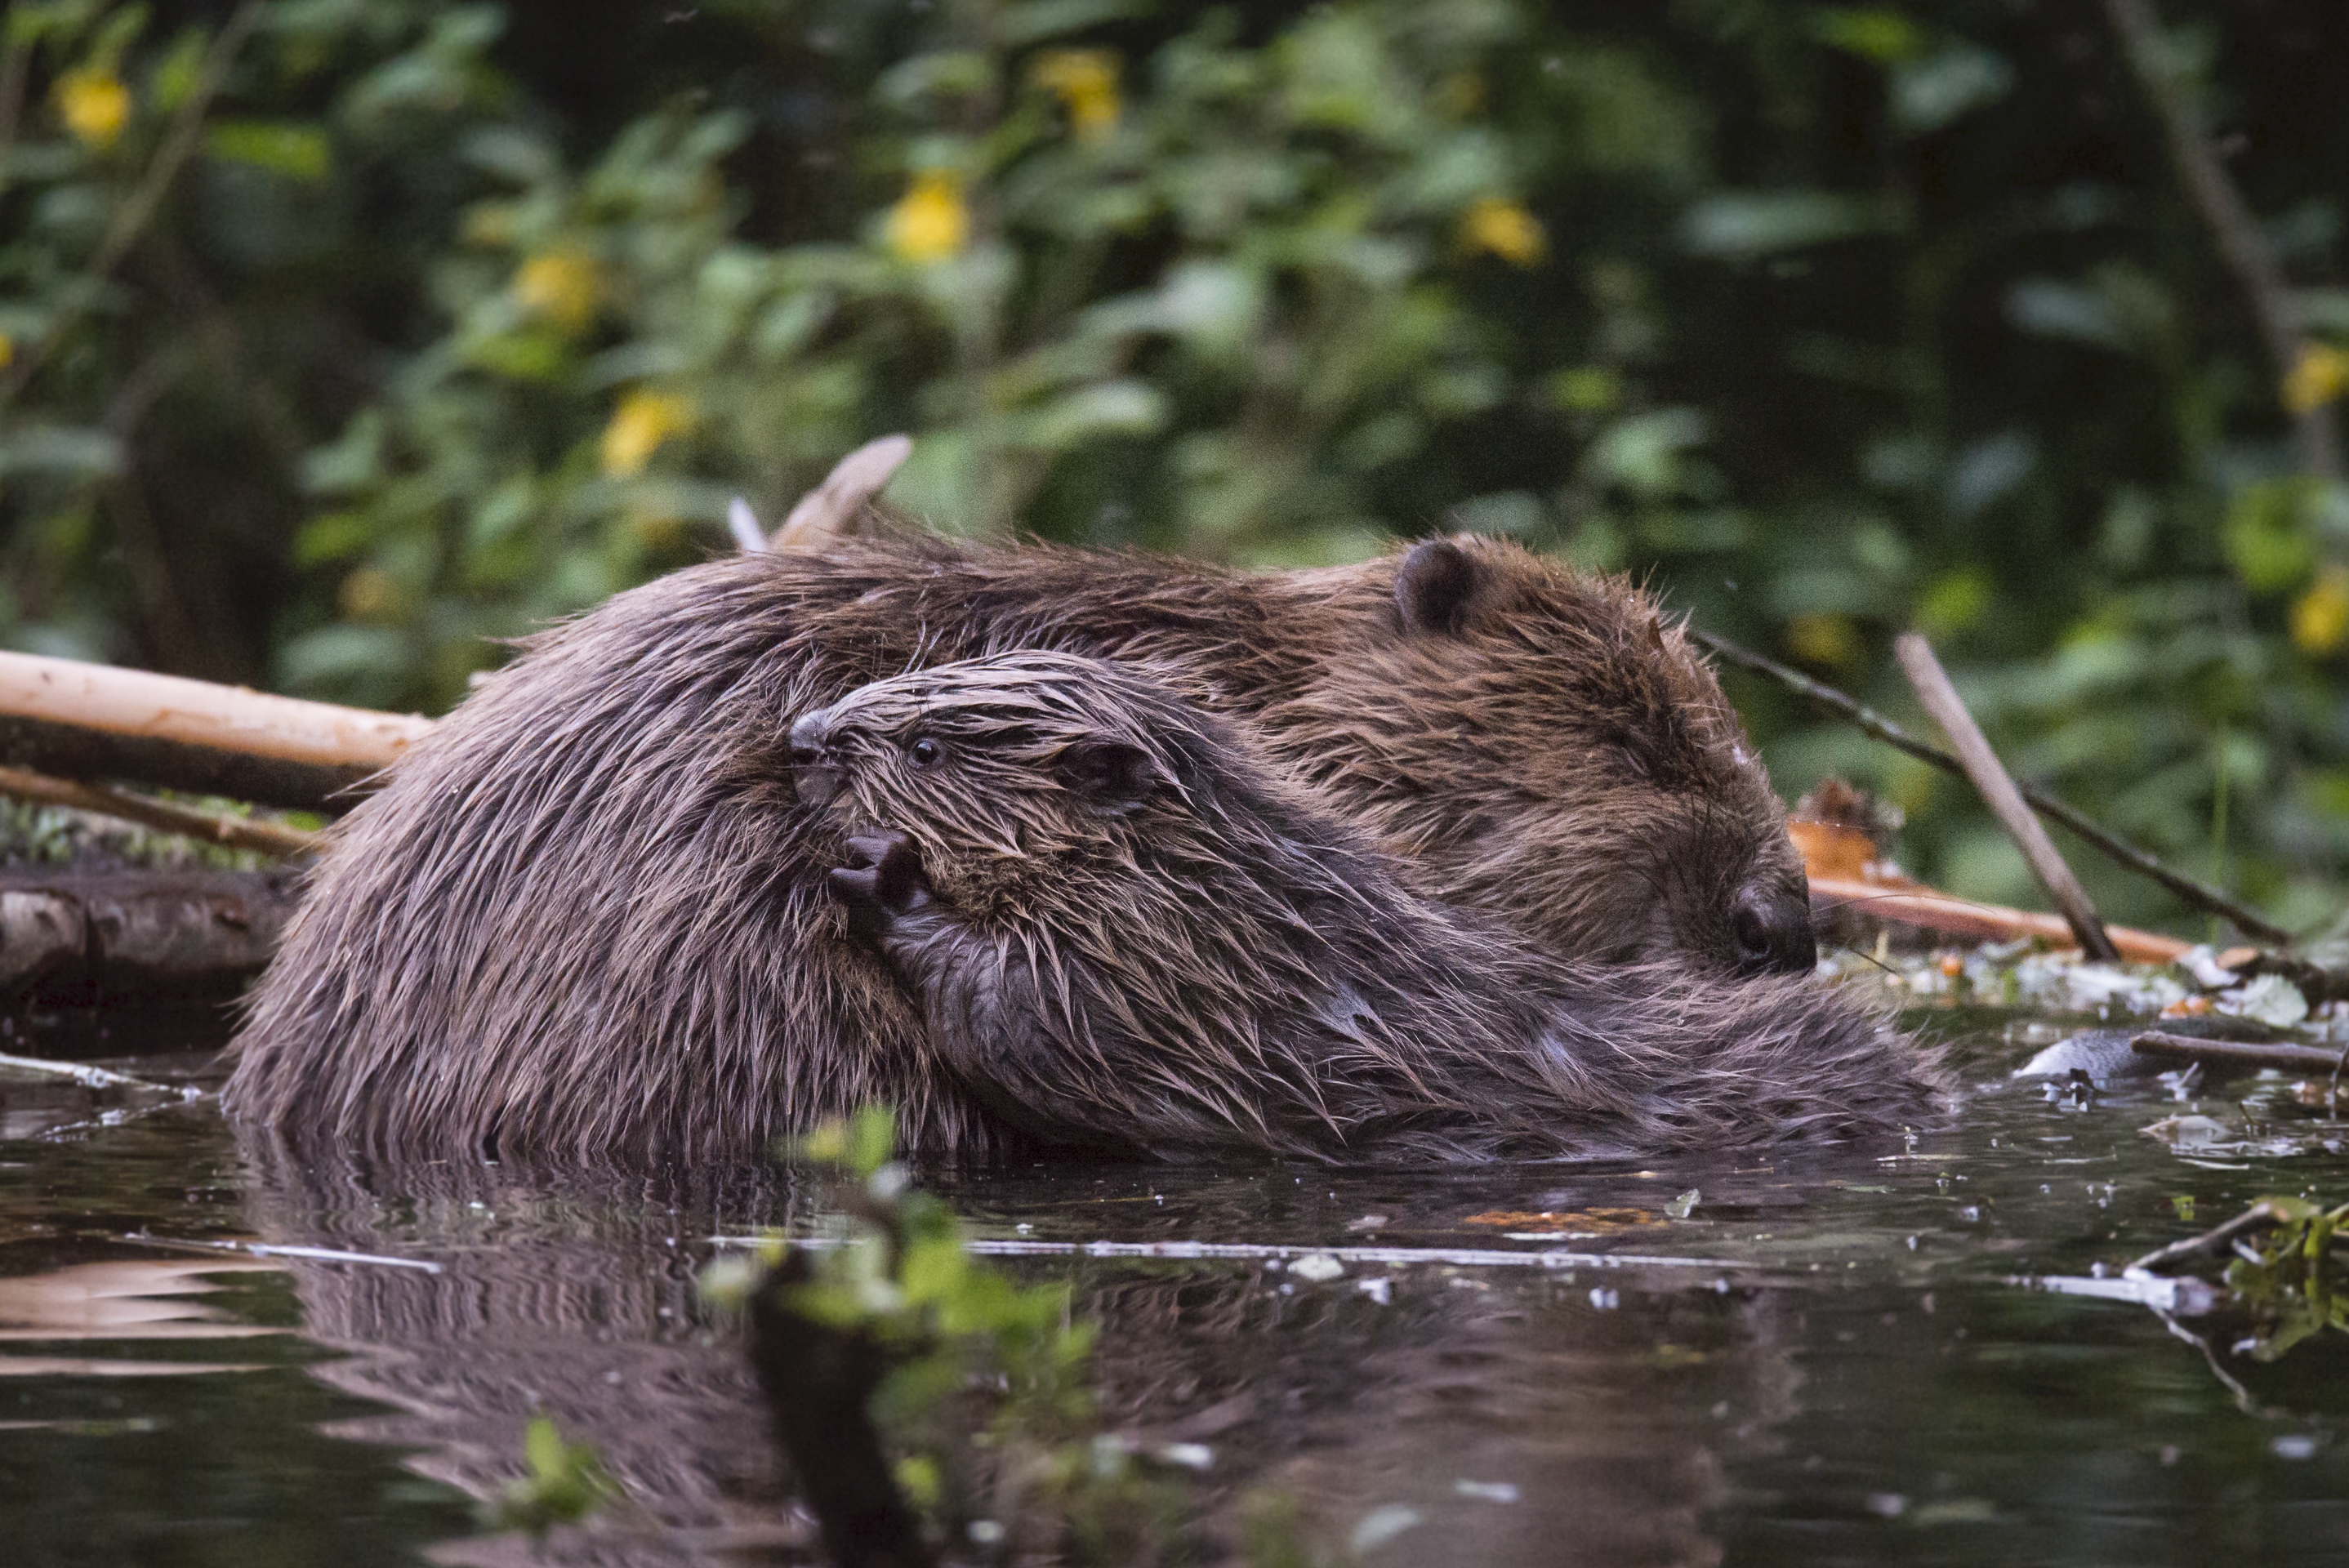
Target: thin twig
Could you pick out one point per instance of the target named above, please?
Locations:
(131, 218)
(2210, 1241)
(1998, 791)
(1865, 719)
(2236, 1053)
(1267, 1252)
(273, 1250)
(2245, 245)
(236, 832)
(90, 1077)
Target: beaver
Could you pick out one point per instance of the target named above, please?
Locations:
(1128, 935)
(588, 913)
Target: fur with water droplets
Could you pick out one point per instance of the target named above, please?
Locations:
(1128, 935)
(587, 914)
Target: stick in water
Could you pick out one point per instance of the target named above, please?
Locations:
(1991, 778)
(2236, 1053)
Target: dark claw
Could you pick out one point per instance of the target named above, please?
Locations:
(882, 881)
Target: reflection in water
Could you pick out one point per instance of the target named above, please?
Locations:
(1856, 1382)
(567, 1294)
(1523, 1419)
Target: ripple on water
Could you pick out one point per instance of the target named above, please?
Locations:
(1812, 1360)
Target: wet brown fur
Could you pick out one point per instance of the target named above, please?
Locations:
(1129, 935)
(587, 914)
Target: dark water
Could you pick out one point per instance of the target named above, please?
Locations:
(1824, 1361)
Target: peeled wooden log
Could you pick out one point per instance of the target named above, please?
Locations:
(1913, 904)
(94, 722)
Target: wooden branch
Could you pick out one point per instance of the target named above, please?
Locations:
(87, 722)
(235, 832)
(2241, 241)
(2237, 1053)
(1933, 910)
(825, 511)
(2199, 894)
(1990, 777)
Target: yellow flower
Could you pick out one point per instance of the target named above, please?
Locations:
(559, 286)
(369, 593)
(641, 423)
(2320, 617)
(95, 105)
(2320, 374)
(7, 351)
(1822, 639)
(930, 222)
(1497, 224)
(1085, 81)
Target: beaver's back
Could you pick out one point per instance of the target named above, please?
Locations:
(586, 915)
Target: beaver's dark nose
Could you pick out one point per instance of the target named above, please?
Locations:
(1771, 929)
(815, 777)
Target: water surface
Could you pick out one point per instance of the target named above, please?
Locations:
(1811, 1361)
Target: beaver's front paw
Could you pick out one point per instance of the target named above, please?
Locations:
(882, 883)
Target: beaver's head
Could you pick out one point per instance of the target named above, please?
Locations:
(1544, 744)
(1018, 760)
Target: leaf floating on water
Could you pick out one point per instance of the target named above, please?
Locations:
(1683, 1206)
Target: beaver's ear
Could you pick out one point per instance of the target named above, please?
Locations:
(1112, 774)
(1435, 586)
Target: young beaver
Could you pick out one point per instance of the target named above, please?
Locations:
(1127, 934)
(587, 915)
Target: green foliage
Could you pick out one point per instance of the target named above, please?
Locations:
(1827, 320)
(986, 1405)
(2286, 1270)
(565, 1483)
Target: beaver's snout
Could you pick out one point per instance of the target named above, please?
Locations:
(1771, 929)
(815, 776)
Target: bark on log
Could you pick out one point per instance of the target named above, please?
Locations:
(80, 937)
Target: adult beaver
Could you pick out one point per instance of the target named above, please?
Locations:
(587, 913)
(1127, 934)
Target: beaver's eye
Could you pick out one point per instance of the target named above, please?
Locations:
(924, 752)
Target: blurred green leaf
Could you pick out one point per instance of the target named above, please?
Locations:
(297, 151)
